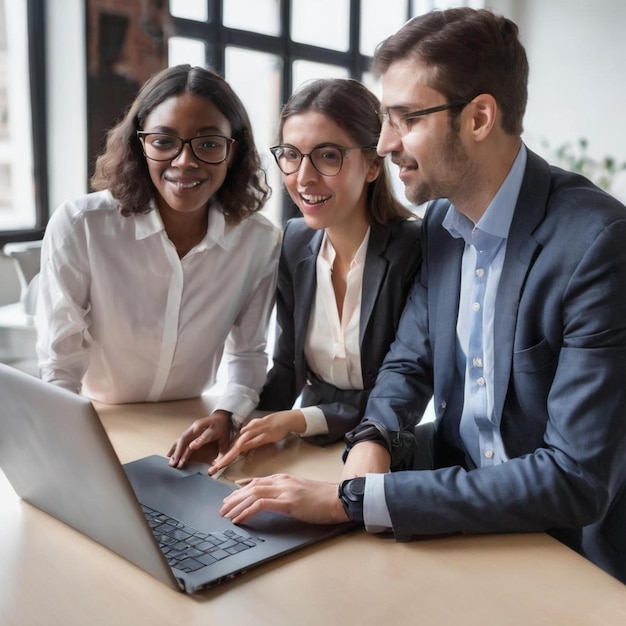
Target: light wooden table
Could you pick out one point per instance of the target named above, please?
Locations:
(50, 574)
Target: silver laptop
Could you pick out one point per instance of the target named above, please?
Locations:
(57, 456)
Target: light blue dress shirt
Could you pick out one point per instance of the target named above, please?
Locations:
(483, 258)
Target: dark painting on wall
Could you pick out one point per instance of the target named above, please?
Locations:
(125, 46)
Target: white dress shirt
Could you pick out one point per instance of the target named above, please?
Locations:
(122, 319)
(331, 345)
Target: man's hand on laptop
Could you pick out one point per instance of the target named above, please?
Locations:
(213, 428)
(307, 500)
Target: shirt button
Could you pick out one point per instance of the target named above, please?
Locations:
(476, 306)
(480, 272)
(477, 361)
(480, 382)
(489, 454)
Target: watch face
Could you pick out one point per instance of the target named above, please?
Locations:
(357, 486)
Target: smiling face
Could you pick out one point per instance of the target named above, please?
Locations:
(330, 202)
(186, 184)
(432, 157)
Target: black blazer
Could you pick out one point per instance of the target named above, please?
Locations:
(391, 263)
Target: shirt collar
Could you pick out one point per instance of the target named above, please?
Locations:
(497, 219)
(218, 232)
(327, 252)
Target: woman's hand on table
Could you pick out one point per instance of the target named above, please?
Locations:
(212, 428)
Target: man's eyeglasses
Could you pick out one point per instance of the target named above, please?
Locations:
(327, 160)
(401, 122)
(212, 149)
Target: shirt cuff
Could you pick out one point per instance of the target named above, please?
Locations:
(66, 384)
(238, 399)
(315, 421)
(375, 512)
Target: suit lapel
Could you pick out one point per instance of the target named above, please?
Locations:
(521, 250)
(444, 282)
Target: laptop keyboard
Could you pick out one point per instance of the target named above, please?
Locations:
(188, 549)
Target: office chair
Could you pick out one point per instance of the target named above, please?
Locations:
(17, 330)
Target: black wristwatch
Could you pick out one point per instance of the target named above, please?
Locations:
(351, 494)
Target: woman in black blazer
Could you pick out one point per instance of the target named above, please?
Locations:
(345, 270)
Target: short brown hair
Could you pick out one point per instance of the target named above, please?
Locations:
(471, 51)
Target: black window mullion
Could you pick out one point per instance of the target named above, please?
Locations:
(217, 37)
(37, 85)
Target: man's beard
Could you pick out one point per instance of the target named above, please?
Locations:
(452, 159)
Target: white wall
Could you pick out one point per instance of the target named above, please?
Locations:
(576, 51)
(66, 87)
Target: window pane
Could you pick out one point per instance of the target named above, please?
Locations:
(323, 23)
(259, 16)
(190, 9)
(307, 70)
(256, 79)
(419, 7)
(378, 21)
(17, 201)
(182, 50)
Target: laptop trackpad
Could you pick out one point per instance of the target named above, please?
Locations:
(195, 499)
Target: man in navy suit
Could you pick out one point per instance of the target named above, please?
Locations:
(516, 325)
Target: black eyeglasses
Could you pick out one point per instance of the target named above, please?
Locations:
(327, 160)
(400, 122)
(212, 149)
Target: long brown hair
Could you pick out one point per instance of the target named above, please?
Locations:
(355, 109)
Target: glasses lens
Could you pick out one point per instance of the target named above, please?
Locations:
(327, 160)
(161, 147)
(210, 148)
(287, 158)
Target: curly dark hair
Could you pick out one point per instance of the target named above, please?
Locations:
(122, 167)
(355, 109)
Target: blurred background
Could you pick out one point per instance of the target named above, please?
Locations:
(69, 69)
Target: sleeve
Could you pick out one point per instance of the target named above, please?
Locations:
(403, 385)
(62, 318)
(245, 346)
(282, 386)
(315, 421)
(375, 513)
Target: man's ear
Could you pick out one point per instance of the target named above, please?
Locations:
(484, 109)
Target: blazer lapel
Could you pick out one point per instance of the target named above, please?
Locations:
(305, 285)
(444, 282)
(373, 275)
(521, 249)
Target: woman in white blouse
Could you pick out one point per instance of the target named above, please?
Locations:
(345, 270)
(146, 282)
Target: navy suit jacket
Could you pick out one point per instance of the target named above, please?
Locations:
(391, 263)
(560, 362)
